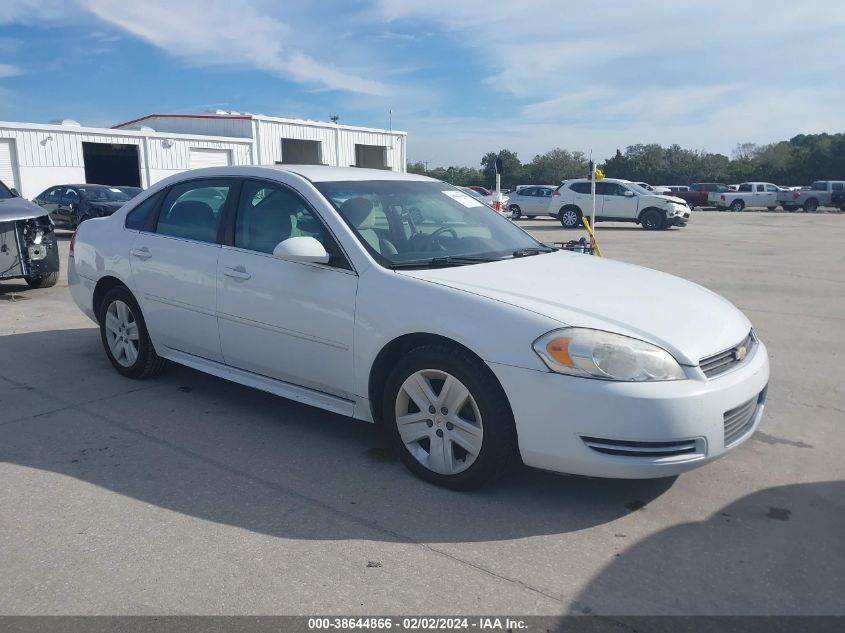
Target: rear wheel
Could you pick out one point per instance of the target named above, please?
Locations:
(570, 217)
(811, 206)
(125, 337)
(653, 220)
(737, 205)
(448, 417)
(42, 281)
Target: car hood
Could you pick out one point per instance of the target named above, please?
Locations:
(667, 198)
(13, 209)
(684, 318)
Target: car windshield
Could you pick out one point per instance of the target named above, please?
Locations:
(406, 222)
(638, 189)
(103, 194)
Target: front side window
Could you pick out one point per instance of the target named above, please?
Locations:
(414, 222)
(70, 196)
(192, 210)
(269, 213)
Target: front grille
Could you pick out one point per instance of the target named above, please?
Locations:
(739, 420)
(730, 358)
(627, 448)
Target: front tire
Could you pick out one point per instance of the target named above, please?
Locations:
(653, 220)
(42, 281)
(737, 206)
(125, 338)
(516, 212)
(448, 418)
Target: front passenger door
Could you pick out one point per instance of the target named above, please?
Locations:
(287, 320)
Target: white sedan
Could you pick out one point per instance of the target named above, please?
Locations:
(467, 339)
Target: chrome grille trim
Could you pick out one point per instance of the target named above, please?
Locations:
(627, 448)
(729, 358)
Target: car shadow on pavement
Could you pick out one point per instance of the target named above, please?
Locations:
(218, 451)
(777, 551)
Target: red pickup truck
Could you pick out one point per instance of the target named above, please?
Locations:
(698, 191)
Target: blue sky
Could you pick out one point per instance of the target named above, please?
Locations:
(462, 78)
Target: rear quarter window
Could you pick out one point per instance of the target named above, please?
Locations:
(138, 219)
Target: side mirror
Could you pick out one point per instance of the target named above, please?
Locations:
(629, 193)
(15, 192)
(301, 249)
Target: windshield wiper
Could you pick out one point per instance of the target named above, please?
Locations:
(448, 260)
(534, 250)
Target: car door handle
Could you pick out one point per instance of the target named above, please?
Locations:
(141, 253)
(237, 273)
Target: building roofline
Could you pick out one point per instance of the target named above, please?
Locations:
(244, 117)
(261, 117)
(72, 129)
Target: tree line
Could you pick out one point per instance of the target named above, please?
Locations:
(798, 161)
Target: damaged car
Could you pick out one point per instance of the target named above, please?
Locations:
(28, 247)
(70, 205)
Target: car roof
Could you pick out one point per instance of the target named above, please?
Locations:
(314, 173)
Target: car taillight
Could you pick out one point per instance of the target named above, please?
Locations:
(795, 195)
(555, 193)
(72, 243)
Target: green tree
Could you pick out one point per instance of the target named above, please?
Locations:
(556, 165)
(512, 172)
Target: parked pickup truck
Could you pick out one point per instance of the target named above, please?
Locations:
(697, 192)
(822, 193)
(748, 194)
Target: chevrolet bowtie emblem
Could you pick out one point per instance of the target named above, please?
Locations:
(740, 352)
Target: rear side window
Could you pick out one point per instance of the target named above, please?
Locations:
(192, 210)
(580, 187)
(744, 187)
(138, 219)
(838, 186)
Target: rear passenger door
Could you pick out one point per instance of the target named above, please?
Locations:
(174, 265)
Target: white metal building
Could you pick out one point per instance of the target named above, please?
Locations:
(143, 151)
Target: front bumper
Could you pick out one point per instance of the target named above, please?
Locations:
(678, 220)
(633, 430)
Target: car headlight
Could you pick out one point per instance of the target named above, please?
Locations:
(606, 356)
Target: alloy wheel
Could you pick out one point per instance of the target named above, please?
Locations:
(122, 333)
(439, 421)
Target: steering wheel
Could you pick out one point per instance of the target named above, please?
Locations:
(430, 241)
(443, 229)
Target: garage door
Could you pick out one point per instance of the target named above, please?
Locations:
(7, 163)
(210, 158)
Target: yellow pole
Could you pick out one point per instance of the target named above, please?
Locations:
(593, 243)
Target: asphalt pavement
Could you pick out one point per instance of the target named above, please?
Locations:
(190, 495)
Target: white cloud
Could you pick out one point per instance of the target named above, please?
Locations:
(10, 70)
(703, 73)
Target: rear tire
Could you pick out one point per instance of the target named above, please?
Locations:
(737, 206)
(652, 220)
(125, 338)
(811, 206)
(42, 281)
(570, 217)
(481, 418)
